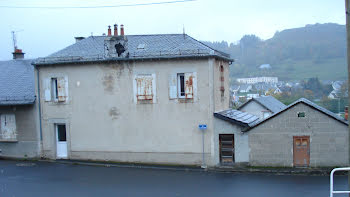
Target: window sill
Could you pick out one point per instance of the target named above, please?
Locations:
(8, 140)
(185, 100)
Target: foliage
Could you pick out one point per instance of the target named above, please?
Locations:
(313, 50)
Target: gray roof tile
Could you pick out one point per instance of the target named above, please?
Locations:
(16, 82)
(307, 102)
(269, 102)
(156, 46)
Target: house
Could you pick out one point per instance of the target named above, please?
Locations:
(262, 107)
(301, 135)
(19, 114)
(254, 80)
(264, 88)
(244, 88)
(132, 98)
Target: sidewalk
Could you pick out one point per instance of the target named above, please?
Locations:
(223, 169)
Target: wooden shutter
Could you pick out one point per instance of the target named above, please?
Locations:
(189, 77)
(47, 89)
(173, 86)
(144, 85)
(61, 89)
(8, 127)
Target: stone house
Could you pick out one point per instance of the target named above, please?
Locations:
(262, 107)
(301, 135)
(19, 114)
(132, 98)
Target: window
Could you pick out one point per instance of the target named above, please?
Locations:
(8, 127)
(182, 85)
(56, 89)
(61, 133)
(301, 114)
(145, 88)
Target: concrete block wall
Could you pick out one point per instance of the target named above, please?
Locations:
(271, 143)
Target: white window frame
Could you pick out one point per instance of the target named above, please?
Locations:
(55, 89)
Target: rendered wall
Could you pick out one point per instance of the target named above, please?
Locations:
(105, 123)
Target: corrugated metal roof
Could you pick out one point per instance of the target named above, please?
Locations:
(269, 102)
(307, 102)
(237, 117)
(155, 46)
(16, 82)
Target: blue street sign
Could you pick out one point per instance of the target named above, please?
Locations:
(202, 127)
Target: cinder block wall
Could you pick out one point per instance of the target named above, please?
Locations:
(271, 143)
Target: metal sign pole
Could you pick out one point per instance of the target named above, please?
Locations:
(203, 127)
(203, 160)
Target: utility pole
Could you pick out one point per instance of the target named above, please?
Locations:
(347, 15)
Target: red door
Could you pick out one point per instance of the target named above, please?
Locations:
(301, 151)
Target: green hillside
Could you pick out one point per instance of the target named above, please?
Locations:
(312, 51)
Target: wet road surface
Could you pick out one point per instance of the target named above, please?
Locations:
(19, 178)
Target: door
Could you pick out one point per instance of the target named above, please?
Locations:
(61, 141)
(227, 148)
(301, 151)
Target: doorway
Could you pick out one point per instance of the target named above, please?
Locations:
(227, 148)
(301, 151)
(61, 141)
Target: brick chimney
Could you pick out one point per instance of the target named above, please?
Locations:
(18, 54)
(115, 30)
(346, 113)
(122, 30)
(109, 31)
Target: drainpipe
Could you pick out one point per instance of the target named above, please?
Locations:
(39, 109)
(347, 11)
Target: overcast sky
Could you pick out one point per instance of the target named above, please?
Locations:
(41, 32)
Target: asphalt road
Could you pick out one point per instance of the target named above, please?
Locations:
(54, 179)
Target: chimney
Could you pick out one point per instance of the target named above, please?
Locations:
(109, 31)
(77, 39)
(122, 30)
(346, 113)
(18, 54)
(115, 30)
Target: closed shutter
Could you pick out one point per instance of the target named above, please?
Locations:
(189, 77)
(8, 127)
(144, 85)
(47, 89)
(61, 89)
(173, 86)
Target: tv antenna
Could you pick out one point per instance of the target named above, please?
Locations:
(14, 39)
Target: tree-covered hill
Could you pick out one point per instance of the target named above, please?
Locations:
(317, 50)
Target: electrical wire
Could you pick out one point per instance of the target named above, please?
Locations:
(90, 7)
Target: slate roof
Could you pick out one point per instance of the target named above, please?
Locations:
(237, 117)
(269, 102)
(307, 102)
(155, 46)
(16, 82)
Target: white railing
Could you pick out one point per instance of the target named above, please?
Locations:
(331, 182)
